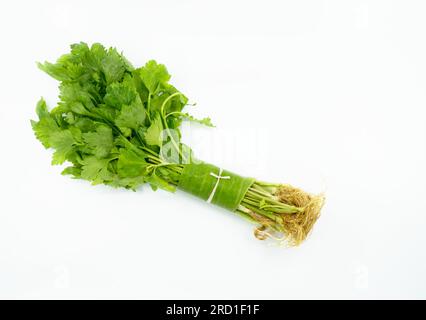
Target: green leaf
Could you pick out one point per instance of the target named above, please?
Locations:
(85, 124)
(75, 94)
(100, 141)
(131, 116)
(59, 72)
(119, 94)
(73, 171)
(98, 53)
(131, 163)
(78, 108)
(113, 66)
(90, 58)
(153, 75)
(153, 136)
(128, 183)
(95, 169)
(157, 182)
(46, 126)
(105, 113)
(205, 121)
(41, 109)
(175, 104)
(63, 142)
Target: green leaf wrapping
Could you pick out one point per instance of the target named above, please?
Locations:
(197, 180)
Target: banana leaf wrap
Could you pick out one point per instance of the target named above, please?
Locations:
(209, 182)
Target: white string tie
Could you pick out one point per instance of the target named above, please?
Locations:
(218, 177)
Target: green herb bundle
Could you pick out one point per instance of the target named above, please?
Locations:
(119, 125)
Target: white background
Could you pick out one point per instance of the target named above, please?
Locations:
(326, 95)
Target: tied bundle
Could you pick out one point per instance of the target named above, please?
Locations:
(119, 125)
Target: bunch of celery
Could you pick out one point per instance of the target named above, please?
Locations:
(119, 125)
